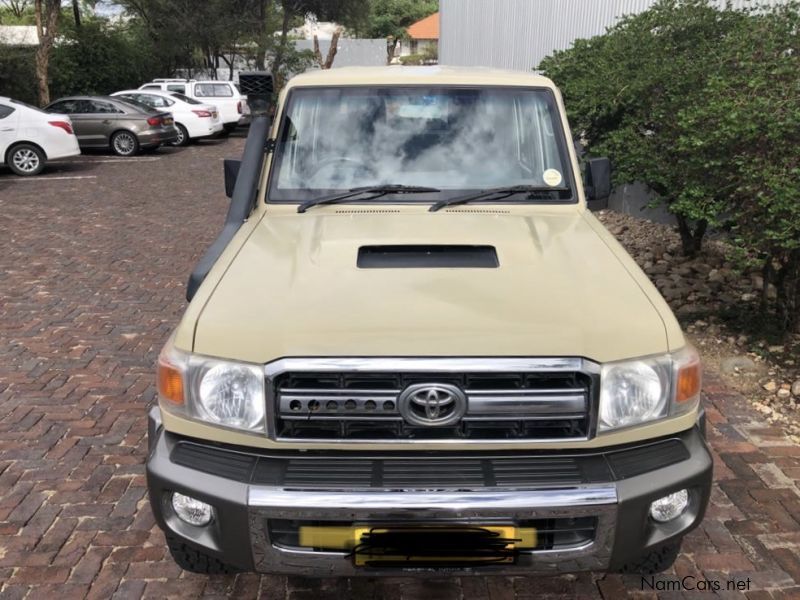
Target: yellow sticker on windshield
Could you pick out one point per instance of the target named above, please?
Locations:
(552, 177)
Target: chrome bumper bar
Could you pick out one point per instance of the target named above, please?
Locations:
(462, 507)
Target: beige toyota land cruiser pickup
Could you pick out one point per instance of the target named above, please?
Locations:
(414, 349)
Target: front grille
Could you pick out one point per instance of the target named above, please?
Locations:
(552, 534)
(427, 471)
(365, 406)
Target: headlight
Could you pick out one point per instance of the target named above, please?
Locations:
(215, 391)
(638, 391)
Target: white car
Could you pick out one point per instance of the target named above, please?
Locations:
(222, 94)
(193, 119)
(29, 137)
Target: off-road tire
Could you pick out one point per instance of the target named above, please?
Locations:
(194, 561)
(657, 560)
(25, 159)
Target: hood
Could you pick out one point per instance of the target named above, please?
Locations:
(559, 288)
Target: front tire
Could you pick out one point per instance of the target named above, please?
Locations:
(194, 561)
(125, 143)
(183, 136)
(26, 160)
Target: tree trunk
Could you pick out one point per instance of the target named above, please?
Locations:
(76, 12)
(279, 52)
(46, 13)
(391, 46)
(327, 63)
(42, 63)
(787, 283)
(691, 239)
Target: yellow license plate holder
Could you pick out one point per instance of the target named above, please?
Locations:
(344, 537)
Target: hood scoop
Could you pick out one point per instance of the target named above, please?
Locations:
(427, 257)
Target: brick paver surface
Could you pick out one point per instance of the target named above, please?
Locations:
(92, 275)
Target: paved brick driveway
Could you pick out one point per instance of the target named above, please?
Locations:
(93, 262)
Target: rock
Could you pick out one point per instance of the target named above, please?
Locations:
(716, 276)
(737, 364)
(770, 386)
(748, 297)
(772, 291)
(796, 388)
(702, 268)
(784, 394)
(775, 349)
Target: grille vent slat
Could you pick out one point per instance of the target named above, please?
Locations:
(365, 406)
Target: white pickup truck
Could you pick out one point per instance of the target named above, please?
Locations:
(223, 94)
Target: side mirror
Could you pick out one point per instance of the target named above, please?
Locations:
(231, 167)
(598, 182)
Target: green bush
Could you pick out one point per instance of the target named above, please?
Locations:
(100, 58)
(703, 105)
(17, 71)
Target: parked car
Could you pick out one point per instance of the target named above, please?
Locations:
(193, 119)
(124, 126)
(222, 94)
(413, 349)
(29, 137)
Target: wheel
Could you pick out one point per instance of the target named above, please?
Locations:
(124, 143)
(26, 159)
(194, 561)
(183, 136)
(657, 560)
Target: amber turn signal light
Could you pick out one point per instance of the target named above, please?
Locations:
(689, 377)
(170, 382)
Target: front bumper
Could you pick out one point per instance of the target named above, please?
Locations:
(248, 494)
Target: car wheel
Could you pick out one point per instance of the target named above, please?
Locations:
(124, 143)
(26, 159)
(183, 136)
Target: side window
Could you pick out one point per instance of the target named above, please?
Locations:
(154, 101)
(213, 90)
(223, 90)
(98, 106)
(5, 111)
(176, 88)
(151, 87)
(65, 106)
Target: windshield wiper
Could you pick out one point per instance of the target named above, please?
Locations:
(500, 192)
(376, 191)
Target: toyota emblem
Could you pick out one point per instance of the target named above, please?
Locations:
(432, 404)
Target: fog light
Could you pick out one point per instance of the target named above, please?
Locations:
(667, 508)
(191, 510)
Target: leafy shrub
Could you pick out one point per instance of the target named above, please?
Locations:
(703, 105)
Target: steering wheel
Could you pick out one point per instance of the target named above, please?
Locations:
(353, 164)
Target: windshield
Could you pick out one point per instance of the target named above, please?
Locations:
(455, 139)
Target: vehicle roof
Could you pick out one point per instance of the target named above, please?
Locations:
(435, 75)
(112, 98)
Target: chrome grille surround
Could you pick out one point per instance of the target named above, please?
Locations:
(490, 409)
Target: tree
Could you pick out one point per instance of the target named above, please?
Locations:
(624, 90)
(389, 19)
(17, 7)
(47, 13)
(745, 137)
(327, 62)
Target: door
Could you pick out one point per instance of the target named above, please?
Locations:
(105, 120)
(8, 128)
(79, 112)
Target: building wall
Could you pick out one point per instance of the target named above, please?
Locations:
(518, 34)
